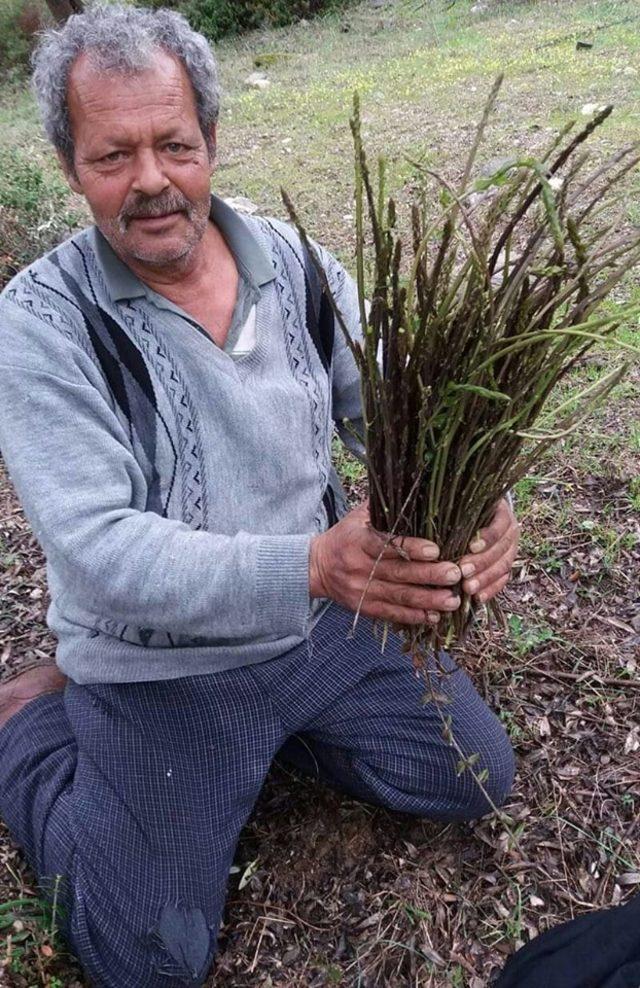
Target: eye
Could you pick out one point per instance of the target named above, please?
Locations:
(174, 147)
(113, 157)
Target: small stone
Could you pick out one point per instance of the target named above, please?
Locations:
(257, 81)
(590, 108)
(629, 70)
(241, 204)
(583, 45)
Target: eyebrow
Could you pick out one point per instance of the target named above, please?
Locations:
(169, 134)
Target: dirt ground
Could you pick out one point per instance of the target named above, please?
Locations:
(327, 891)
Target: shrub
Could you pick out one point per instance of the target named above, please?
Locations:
(35, 212)
(216, 18)
(20, 20)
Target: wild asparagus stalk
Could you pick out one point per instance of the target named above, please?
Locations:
(502, 298)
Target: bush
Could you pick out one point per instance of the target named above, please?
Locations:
(35, 212)
(20, 20)
(216, 18)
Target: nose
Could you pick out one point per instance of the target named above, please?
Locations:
(149, 177)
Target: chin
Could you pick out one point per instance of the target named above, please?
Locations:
(157, 254)
(174, 247)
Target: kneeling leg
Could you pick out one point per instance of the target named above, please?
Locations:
(135, 795)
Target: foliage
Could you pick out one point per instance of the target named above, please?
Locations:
(34, 211)
(217, 18)
(504, 296)
(19, 22)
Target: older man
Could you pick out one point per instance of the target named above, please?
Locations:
(169, 380)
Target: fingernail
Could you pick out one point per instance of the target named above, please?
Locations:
(482, 597)
(453, 574)
(453, 601)
(478, 546)
(433, 617)
(431, 552)
(473, 586)
(467, 569)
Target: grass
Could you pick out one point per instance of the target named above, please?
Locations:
(374, 898)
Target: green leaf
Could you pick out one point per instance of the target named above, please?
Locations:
(498, 178)
(477, 389)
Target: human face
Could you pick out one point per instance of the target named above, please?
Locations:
(141, 160)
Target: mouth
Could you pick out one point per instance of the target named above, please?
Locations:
(155, 222)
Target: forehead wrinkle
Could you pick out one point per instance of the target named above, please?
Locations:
(162, 87)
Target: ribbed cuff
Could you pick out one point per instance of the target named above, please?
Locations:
(282, 583)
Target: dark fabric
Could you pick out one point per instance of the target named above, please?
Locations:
(598, 950)
(319, 314)
(136, 793)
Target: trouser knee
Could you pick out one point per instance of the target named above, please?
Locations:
(169, 947)
(489, 777)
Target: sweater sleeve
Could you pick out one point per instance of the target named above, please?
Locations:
(74, 471)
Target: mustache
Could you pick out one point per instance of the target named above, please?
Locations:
(144, 207)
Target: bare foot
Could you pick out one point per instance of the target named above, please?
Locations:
(28, 685)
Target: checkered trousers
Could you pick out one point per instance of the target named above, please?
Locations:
(136, 792)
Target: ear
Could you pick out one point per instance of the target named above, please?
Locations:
(69, 173)
(212, 146)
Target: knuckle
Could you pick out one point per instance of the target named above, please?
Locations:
(397, 571)
(352, 584)
(399, 596)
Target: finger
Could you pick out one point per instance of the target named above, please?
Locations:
(500, 568)
(384, 611)
(431, 617)
(400, 547)
(490, 592)
(473, 565)
(422, 574)
(418, 598)
(500, 522)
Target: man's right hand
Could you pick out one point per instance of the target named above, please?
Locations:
(408, 590)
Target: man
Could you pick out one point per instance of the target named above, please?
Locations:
(169, 381)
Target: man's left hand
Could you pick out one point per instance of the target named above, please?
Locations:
(492, 553)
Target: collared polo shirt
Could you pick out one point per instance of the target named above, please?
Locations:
(254, 271)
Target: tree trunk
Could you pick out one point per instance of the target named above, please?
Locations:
(61, 9)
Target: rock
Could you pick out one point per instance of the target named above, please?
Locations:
(479, 8)
(583, 45)
(257, 80)
(303, 22)
(590, 108)
(629, 70)
(241, 204)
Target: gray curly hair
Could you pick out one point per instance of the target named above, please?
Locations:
(123, 40)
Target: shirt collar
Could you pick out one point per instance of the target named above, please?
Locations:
(251, 258)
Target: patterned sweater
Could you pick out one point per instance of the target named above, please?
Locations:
(174, 488)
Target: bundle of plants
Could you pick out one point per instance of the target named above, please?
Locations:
(476, 319)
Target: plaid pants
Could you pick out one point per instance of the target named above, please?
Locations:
(136, 793)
